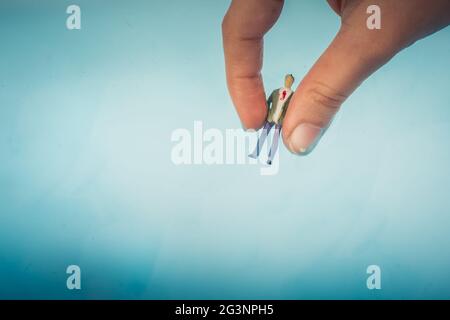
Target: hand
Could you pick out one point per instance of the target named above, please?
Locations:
(354, 54)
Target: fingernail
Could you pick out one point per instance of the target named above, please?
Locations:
(304, 138)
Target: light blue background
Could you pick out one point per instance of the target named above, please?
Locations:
(86, 176)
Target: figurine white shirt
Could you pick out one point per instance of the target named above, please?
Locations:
(279, 105)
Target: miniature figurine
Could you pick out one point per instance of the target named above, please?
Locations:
(279, 99)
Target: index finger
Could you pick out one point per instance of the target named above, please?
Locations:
(243, 29)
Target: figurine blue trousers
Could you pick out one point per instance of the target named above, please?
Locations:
(265, 132)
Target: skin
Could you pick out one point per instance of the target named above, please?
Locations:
(288, 81)
(353, 55)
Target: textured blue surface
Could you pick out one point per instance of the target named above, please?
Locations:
(86, 176)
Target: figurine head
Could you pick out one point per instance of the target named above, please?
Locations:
(289, 80)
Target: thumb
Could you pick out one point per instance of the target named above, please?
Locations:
(346, 63)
